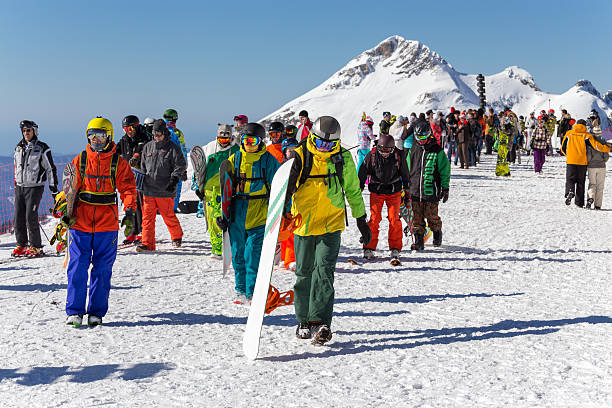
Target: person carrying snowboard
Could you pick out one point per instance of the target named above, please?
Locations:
(275, 134)
(33, 165)
(388, 171)
(216, 152)
(287, 245)
(322, 175)
(253, 169)
(364, 138)
(92, 237)
(429, 172)
(509, 126)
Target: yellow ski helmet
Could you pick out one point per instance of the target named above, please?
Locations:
(100, 124)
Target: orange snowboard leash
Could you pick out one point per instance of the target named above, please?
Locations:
(278, 299)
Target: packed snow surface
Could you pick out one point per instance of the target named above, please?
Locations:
(513, 310)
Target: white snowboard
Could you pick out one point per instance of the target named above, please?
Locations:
(252, 332)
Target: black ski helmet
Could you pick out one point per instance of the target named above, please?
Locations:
(130, 120)
(290, 131)
(276, 127)
(327, 128)
(386, 140)
(28, 124)
(254, 129)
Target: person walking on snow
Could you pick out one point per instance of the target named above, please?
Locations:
(33, 166)
(596, 169)
(216, 152)
(429, 173)
(574, 148)
(304, 126)
(508, 128)
(388, 171)
(92, 237)
(176, 136)
(464, 139)
(164, 166)
(276, 131)
(364, 137)
(385, 123)
(530, 125)
(287, 245)
(540, 142)
(397, 130)
(322, 175)
(252, 168)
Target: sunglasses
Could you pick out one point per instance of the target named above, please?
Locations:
(250, 140)
(323, 145)
(128, 129)
(97, 134)
(158, 133)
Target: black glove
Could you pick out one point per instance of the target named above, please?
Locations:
(172, 184)
(444, 195)
(364, 229)
(200, 195)
(222, 223)
(135, 161)
(128, 221)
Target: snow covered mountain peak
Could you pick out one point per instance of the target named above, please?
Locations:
(522, 76)
(607, 97)
(587, 86)
(400, 57)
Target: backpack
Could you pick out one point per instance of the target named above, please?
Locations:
(239, 179)
(97, 197)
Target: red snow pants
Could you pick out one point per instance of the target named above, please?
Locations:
(149, 211)
(393, 202)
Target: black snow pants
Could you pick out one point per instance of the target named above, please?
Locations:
(575, 175)
(27, 200)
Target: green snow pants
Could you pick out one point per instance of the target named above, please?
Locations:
(213, 210)
(315, 264)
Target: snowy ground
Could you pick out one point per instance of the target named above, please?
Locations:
(513, 310)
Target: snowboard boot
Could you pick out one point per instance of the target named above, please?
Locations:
(34, 252)
(395, 253)
(19, 251)
(589, 203)
(240, 299)
(130, 239)
(93, 320)
(419, 242)
(321, 334)
(368, 254)
(74, 320)
(176, 243)
(143, 248)
(437, 238)
(570, 196)
(303, 331)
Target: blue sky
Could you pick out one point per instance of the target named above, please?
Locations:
(64, 62)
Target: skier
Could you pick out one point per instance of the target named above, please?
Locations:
(596, 169)
(304, 126)
(253, 169)
(33, 164)
(322, 176)
(275, 134)
(364, 137)
(130, 147)
(388, 171)
(164, 166)
(287, 245)
(92, 239)
(506, 133)
(429, 173)
(216, 152)
(177, 137)
(574, 148)
(540, 142)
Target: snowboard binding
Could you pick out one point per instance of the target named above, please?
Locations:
(278, 299)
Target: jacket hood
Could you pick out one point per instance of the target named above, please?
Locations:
(252, 157)
(579, 128)
(321, 155)
(106, 153)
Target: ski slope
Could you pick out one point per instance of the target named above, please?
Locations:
(513, 310)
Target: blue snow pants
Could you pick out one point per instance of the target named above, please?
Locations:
(246, 251)
(177, 199)
(100, 250)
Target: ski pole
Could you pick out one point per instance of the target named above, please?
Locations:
(43, 230)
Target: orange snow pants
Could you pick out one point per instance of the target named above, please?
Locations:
(287, 251)
(149, 210)
(393, 202)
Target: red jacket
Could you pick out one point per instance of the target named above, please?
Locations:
(96, 217)
(304, 129)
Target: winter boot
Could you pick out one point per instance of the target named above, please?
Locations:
(34, 252)
(589, 203)
(93, 320)
(19, 251)
(368, 254)
(569, 198)
(321, 334)
(129, 239)
(143, 248)
(176, 243)
(74, 320)
(303, 331)
(240, 299)
(419, 241)
(437, 238)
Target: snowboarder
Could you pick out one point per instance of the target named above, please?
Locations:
(540, 142)
(253, 170)
(275, 134)
(388, 171)
(596, 170)
(322, 175)
(176, 136)
(304, 126)
(429, 171)
(364, 137)
(385, 123)
(240, 122)
(101, 172)
(397, 131)
(130, 147)
(33, 164)
(287, 246)
(164, 166)
(508, 128)
(216, 152)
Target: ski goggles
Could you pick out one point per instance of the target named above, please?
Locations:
(128, 129)
(421, 137)
(250, 140)
(171, 123)
(275, 134)
(290, 132)
(97, 134)
(158, 133)
(324, 145)
(385, 149)
(224, 140)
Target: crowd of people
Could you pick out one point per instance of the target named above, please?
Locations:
(405, 166)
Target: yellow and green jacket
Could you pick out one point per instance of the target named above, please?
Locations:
(253, 174)
(320, 200)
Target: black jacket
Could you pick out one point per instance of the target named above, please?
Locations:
(384, 127)
(128, 146)
(429, 171)
(387, 175)
(161, 161)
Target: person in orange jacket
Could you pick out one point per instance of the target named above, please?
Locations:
(574, 148)
(92, 239)
(287, 245)
(276, 132)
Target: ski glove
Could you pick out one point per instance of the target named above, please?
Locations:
(172, 184)
(364, 229)
(135, 161)
(128, 221)
(222, 223)
(200, 195)
(444, 195)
